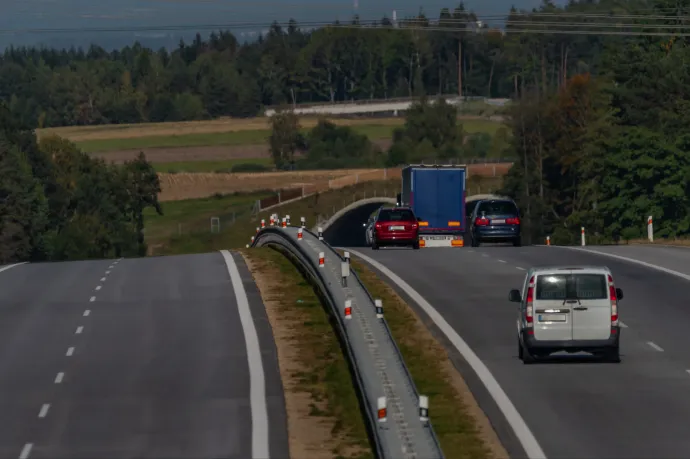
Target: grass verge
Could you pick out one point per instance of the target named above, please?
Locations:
(324, 419)
(117, 140)
(461, 426)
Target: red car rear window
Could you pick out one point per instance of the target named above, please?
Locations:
(401, 215)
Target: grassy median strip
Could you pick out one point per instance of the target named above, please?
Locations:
(324, 417)
(461, 426)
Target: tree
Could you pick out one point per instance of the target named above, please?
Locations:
(285, 139)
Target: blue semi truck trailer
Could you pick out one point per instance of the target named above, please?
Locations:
(436, 194)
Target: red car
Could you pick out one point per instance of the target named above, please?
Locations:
(395, 226)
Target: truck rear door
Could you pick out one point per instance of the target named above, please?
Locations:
(439, 198)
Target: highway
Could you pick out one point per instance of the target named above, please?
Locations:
(574, 406)
(163, 357)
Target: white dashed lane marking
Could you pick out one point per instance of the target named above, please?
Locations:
(44, 410)
(107, 272)
(79, 330)
(26, 450)
(501, 261)
(102, 279)
(69, 352)
(60, 376)
(98, 287)
(521, 269)
(87, 312)
(655, 346)
(92, 299)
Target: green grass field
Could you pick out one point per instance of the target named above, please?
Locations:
(209, 166)
(248, 137)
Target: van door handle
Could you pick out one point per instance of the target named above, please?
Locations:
(580, 308)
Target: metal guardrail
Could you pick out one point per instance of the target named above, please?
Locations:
(375, 358)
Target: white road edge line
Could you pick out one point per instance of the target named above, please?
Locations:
(26, 450)
(44, 410)
(655, 346)
(630, 260)
(257, 381)
(69, 352)
(60, 376)
(5, 268)
(517, 423)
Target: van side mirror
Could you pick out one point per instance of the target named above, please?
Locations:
(514, 296)
(619, 293)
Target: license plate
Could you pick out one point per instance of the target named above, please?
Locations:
(500, 220)
(393, 228)
(437, 238)
(552, 317)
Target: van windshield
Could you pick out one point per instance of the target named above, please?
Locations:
(575, 286)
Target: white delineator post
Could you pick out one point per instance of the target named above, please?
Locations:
(548, 240)
(382, 411)
(344, 272)
(348, 309)
(650, 229)
(287, 220)
(582, 236)
(322, 259)
(423, 408)
(379, 308)
(284, 222)
(263, 223)
(320, 234)
(299, 234)
(257, 229)
(347, 257)
(304, 224)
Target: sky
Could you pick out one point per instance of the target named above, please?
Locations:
(194, 16)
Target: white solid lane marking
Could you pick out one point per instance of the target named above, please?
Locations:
(5, 268)
(92, 299)
(501, 261)
(655, 346)
(632, 260)
(521, 269)
(687, 371)
(102, 279)
(98, 287)
(44, 410)
(257, 381)
(87, 312)
(69, 352)
(60, 376)
(79, 330)
(526, 437)
(26, 450)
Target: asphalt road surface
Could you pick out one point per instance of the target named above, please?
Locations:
(576, 407)
(140, 358)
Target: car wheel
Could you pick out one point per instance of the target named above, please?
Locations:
(613, 355)
(415, 245)
(517, 242)
(475, 242)
(374, 245)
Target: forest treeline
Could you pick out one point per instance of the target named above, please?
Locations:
(219, 76)
(57, 203)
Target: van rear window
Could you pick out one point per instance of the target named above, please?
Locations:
(396, 215)
(562, 286)
(498, 208)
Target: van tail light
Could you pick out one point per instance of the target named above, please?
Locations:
(513, 221)
(481, 221)
(614, 302)
(529, 309)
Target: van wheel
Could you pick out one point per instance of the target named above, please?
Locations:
(613, 355)
(520, 351)
(524, 354)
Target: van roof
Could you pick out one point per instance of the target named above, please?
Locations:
(586, 269)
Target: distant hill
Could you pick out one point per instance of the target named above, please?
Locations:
(194, 16)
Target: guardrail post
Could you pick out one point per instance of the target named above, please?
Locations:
(424, 408)
(582, 236)
(344, 272)
(348, 309)
(382, 412)
(650, 229)
(347, 257)
(379, 308)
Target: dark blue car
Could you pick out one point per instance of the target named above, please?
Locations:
(495, 220)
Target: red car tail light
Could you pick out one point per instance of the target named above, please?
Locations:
(481, 221)
(513, 221)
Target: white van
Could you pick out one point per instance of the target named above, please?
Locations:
(571, 309)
